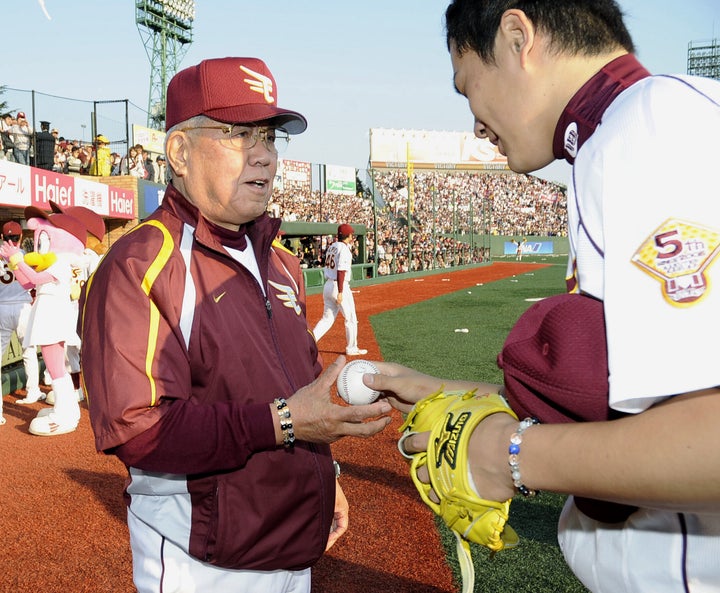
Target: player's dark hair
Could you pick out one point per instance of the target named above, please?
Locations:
(575, 27)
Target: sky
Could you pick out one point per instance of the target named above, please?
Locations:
(347, 66)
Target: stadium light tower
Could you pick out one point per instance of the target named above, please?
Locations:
(704, 58)
(166, 30)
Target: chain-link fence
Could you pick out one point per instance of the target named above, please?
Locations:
(77, 119)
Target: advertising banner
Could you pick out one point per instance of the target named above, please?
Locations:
(437, 150)
(294, 175)
(340, 180)
(529, 248)
(151, 140)
(22, 186)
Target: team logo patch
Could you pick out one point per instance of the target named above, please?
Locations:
(286, 295)
(446, 443)
(678, 254)
(571, 139)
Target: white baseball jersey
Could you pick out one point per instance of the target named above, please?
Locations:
(11, 292)
(644, 212)
(338, 257)
(644, 224)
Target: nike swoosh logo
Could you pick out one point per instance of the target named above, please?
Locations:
(218, 297)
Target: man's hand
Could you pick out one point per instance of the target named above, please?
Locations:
(340, 520)
(316, 419)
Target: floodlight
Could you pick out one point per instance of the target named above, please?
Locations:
(166, 29)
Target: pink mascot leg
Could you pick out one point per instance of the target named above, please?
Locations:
(64, 416)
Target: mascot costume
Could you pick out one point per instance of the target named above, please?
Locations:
(93, 252)
(51, 269)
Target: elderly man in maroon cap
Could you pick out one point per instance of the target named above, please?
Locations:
(200, 371)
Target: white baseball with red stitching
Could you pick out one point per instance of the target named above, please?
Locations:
(350, 385)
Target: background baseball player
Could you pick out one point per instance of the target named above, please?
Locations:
(15, 304)
(337, 295)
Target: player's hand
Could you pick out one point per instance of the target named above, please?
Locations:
(317, 419)
(340, 519)
(417, 443)
(400, 385)
(487, 456)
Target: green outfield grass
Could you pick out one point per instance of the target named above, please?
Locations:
(423, 336)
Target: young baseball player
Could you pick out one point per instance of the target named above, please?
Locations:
(559, 80)
(337, 294)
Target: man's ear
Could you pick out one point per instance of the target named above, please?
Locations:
(176, 151)
(517, 32)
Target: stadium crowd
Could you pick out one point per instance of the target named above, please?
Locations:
(448, 210)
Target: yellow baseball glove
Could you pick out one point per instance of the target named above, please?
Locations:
(451, 418)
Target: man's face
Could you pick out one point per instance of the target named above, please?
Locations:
(505, 106)
(230, 186)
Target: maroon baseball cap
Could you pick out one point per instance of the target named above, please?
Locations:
(92, 220)
(62, 221)
(11, 228)
(20, 115)
(345, 229)
(232, 90)
(554, 361)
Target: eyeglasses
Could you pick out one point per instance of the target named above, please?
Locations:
(246, 137)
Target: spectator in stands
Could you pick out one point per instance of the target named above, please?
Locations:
(132, 164)
(60, 162)
(85, 155)
(149, 165)
(116, 162)
(74, 163)
(22, 135)
(8, 143)
(161, 171)
(100, 163)
(44, 147)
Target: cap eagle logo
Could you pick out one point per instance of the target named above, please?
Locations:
(259, 83)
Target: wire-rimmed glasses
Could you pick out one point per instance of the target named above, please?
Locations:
(246, 137)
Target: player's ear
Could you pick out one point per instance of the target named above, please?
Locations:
(516, 34)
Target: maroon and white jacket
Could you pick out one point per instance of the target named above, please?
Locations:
(182, 352)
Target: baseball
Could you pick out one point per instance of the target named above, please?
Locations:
(350, 385)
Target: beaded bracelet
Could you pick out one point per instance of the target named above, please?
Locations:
(513, 459)
(286, 424)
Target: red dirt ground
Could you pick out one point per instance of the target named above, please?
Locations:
(62, 517)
